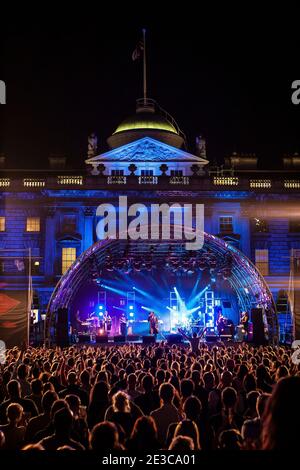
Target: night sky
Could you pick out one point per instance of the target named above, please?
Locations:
(65, 82)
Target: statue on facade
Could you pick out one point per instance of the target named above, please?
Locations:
(92, 145)
(201, 146)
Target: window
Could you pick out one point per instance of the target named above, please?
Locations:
(146, 172)
(294, 225)
(260, 225)
(35, 267)
(70, 180)
(226, 180)
(68, 257)
(262, 261)
(260, 183)
(69, 224)
(176, 173)
(117, 172)
(2, 224)
(226, 225)
(33, 224)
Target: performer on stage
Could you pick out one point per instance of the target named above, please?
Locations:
(78, 321)
(221, 323)
(123, 325)
(107, 322)
(245, 322)
(153, 323)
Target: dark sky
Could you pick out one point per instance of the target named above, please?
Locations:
(231, 84)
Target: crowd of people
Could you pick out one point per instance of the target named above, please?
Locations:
(145, 398)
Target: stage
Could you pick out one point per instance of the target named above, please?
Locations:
(127, 280)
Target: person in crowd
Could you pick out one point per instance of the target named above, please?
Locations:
(252, 428)
(131, 390)
(13, 431)
(2, 440)
(49, 430)
(189, 429)
(230, 439)
(36, 394)
(80, 428)
(167, 413)
(148, 401)
(121, 412)
(282, 416)
(105, 437)
(144, 436)
(37, 423)
(33, 447)
(22, 373)
(14, 394)
(182, 444)
(227, 418)
(63, 422)
(74, 389)
(99, 403)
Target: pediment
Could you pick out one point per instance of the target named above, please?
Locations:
(146, 150)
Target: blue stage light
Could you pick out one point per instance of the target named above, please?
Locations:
(131, 314)
(130, 307)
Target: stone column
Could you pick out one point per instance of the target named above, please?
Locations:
(88, 238)
(50, 243)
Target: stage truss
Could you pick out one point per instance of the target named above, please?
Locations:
(216, 255)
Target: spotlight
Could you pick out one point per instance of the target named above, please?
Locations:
(130, 307)
(131, 314)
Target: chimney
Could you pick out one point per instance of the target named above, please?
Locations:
(201, 146)
(57, 162)
(2, 160)
(291, 162)
(241, 161)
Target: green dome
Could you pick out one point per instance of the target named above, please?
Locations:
(146, 121)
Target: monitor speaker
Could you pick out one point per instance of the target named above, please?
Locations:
(119, 339)
(174, 339)
(83, 337)
(133, 337)
(258, 326)
(150, 339)
(102, 339)
(62, 327)
(211, 337)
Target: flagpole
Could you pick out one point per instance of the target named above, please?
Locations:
(144, 67)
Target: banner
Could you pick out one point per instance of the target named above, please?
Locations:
(15, 297)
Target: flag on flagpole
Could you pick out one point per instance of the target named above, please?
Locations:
(138, 51)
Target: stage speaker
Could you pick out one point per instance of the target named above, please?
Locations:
(258, 326)
(174, 339)
(150, 339)
(102, 339)
(211, 337)
(133, 337)
(119, 339)
(83, 338)
(62, 327)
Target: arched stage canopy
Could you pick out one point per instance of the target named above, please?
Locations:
(216, 255)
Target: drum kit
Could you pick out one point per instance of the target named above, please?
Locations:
(94, 326)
